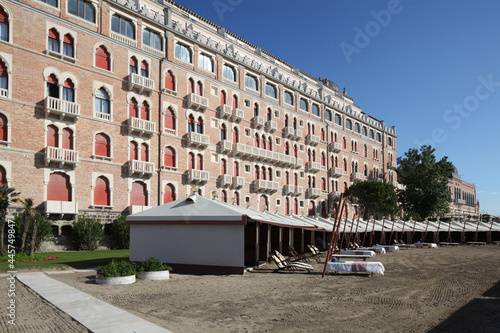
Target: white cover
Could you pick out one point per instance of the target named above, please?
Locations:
(388, 248)
(356, 266)
(429, 245)
(358, 252)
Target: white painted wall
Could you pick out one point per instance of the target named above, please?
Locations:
(214, 245)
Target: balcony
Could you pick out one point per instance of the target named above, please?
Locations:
(197, 140)
(197, 102)
(288, 189)
(242, 150)
(288, 132)
(197, 176)
(267, 186)
(460, 201)
(225, 112)
(312, 140)
(357, 176)
(313, 193)
(60, 207)
(238, 182)
(62, 109)
(141, 126)
(392, 165)
(313, 166)
(238, 115)
(335, 147)
(297, 135)
(132, 209)
(141, 168)
(61, 156)
(124, 39)
(335, 172)
(299, 163)
(225, 180)
(271, 126)
(258, 121)
(299, 190)
(140, 84)
(225, 146)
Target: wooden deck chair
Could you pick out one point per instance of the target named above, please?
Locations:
(286, 261)
(290, 267)
(317, 250)
(297, 256)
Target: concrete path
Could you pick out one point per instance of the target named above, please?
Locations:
(96, 315)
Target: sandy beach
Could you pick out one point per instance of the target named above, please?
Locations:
(438, 290)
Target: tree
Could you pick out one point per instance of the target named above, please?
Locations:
(8, 195)
(27, 213)
(87, 233)
(425, 181)
(374, 198)
(38, 236)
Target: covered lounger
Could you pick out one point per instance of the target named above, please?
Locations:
(356, 267)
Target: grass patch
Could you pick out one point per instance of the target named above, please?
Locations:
(68, 260)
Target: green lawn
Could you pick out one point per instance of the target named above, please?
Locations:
(68, 260)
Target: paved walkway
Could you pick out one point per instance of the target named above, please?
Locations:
(96, 315)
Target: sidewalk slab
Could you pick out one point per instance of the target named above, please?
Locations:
(94, 314)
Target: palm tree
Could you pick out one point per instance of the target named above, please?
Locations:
(36, 217)
(7, 196)
(27, 213)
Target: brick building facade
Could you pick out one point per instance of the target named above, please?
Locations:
(109, 107)
(463, 195)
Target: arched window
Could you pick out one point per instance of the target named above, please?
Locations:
(133, 65)
(309, 155)
(344, 143)
(270, 144)
(357, 128)
(312, 208)
(372, 134)
(191, 88)
(264, 143)
(102, 145)
(338, 120)
(102, 58)
(183, 52)
(237, 198)
(345, 187)
(236, 135)
(69, 91)
(322, 135)
(263, 204)
(191, 161)
(144, 111)
(144, 69)
(257, 172)
(139, 194)
(102, 104)
(295, 179)
(344, 164)
(270, 174)
(3, 176)
(288, 97)
(323, 184)
(4, 77)
(4, 130)
(199, 125)
(255, 110)
(205, 62)
(199, 160)
(199, 88)
(287, 206)
(348, 124)
(323, 159)
(223, 132)
(144, 152)
(315, 110)
(190, 123)
(295, 150)
(229, 72)
(123, 26)
(68, 46)
(269, 114)
(251, 82)
(223, 196)
(296, 206)
(379, 137)
(133, 109)
(294, 123)
(52, 136)
(235, 102)
(287, 149)
(257, 140)
(263, 173)
(236, 169)
(287, 178)
(134, 151)
(223, 97)
(4, 25)
(59, 187)
(328, 115)
(52, 86)
(170, 119)
(304, 105)
(169, 81)
(53, 42)
(169, 157)
(286, 120)
(83, 9)
(271, 90)
(102, 192)
(169, 195)
(223, 167)
(365, 170)
(67, 139)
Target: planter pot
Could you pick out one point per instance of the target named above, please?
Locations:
(115, 280)
(158, 275)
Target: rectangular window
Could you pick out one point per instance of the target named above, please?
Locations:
(152, 39)
(247, 132)
(271, 90)
(50, 2)
(247, 103)
(304, 105)
(183, 52)
(251, 82)
(4, 31)
(68, 50)
(288, 97)
(82, 9)
(315, 110)
(247, 168)
(205, 62)
(123, 26)
(229, 72)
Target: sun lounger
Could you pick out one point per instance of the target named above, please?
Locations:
(388, 248)
(314, 250)
(356, 267)
(298, 256)
(377, 250)
(285, 261)
(290, 267)
(476, 243)
(448, 244)
(429, 245)
(351, 256)
(358, 252)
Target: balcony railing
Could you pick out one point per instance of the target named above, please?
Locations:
(61, 156)
(261, 185)
(312, 193)
(197, 102)
(225, 180)
(299, 190)
(297, 135)
(289, 189)
(238, 182)
(313, 166)
(141, 126)
(461, 201)
(197, 176)
(258, 121)
(225, 146)
(61, 207)
(225, 111)
(132, 209)
(357, 176)
(289, 132)
(312, 140)
(4, 93)
(335, 147)
(392, 165)
(335, 172)
(271, 126)
(62, 108)
(141, 168)
(238, 115)
(197, 140)
(140, 83)
(102, 115)
(123, 39)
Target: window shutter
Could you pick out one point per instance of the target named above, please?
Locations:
(169, 119)
(169, 81)
(169, 157)
(169, 193)
(138, 196)
(67, 141)
(59, 187)
(68, 39)
(102, 145)
(3, 127)
(53, 34)
(52, 136)
(102, 58)
(102, 192)
(68, 84)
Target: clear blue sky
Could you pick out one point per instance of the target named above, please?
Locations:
(430, 68)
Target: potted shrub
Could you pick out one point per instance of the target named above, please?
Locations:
(153, 269)
(116, 272)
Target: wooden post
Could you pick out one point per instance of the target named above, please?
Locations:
(268, 242)
(336, 226)
(439, 224)
(425, 233)
(373, 233)
(350, 231)
(392, 229)
(356, 233)
(413, 233)
(366, 230)
(280, 244)
(403, 232)
(449, 232)
(382, 231)
(257, 247)
(462, 241)
(475, 235)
